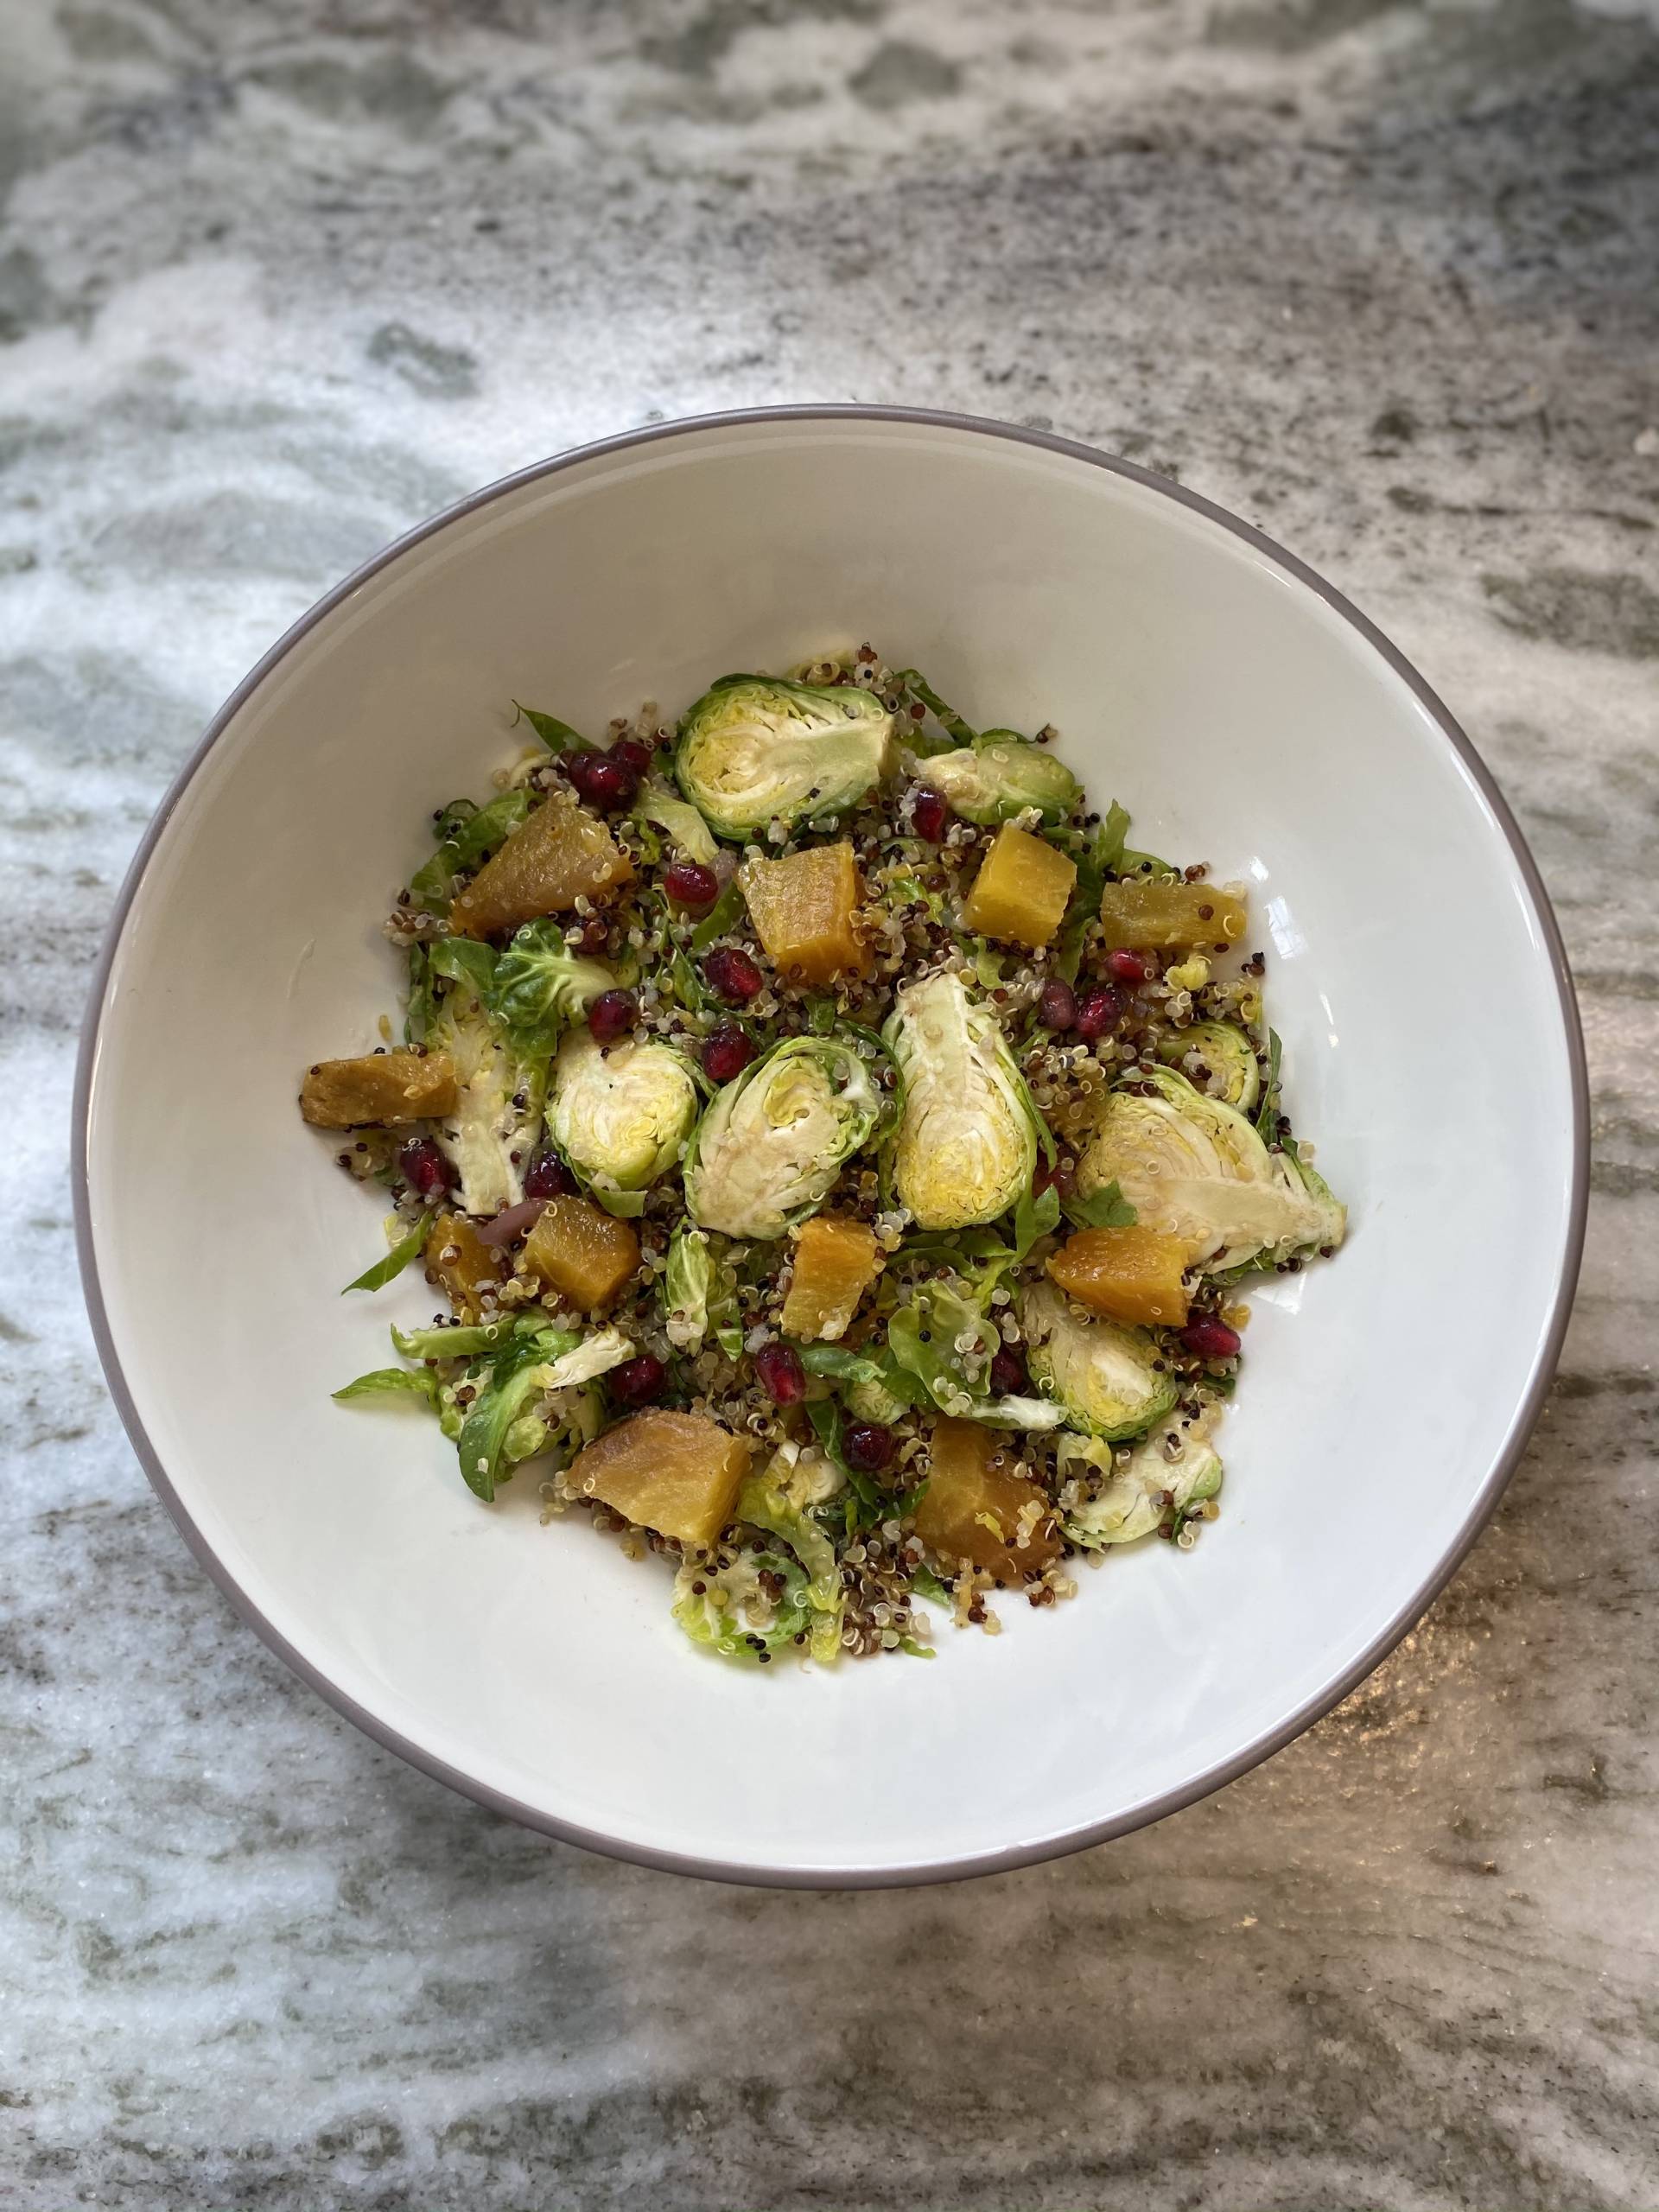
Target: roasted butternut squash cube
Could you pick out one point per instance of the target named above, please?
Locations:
(380, 1089)
(1021, 889)
(976, 1507)
(468, 1269)
(835, 1263)
(1133, 1275)
(678, 1473)
(1162, 914)
(582, 1252)
(558, 854)
(803, 908)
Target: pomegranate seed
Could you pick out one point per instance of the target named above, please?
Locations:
(1209, 1338)
(867, 1445)
(612, 1014)
(782, 1377)
(1127, 967)
(1057, 1006)
(424, 1167)
(1008, 1376)
(547, 1177)
(1058, 1176)
(603, 782)
(596, 934)
(636, 1381)
(1099, 1009)
(733, 973)
(725, 1053)
(931, 815)
(687, 883)
(632, 752)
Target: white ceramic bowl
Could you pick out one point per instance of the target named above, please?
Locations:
(1246, 714)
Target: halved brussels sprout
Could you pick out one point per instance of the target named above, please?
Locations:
(1129, 1504)
(1223, 1049)
(1101, 1373)
(1000, 776)
(968, 1137)
(757, 749)
(768, 1150)
(1193, 1166)
(620, 1113)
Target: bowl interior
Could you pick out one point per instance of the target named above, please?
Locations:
(1243, 721)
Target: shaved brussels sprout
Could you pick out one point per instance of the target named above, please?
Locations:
(498, 1112)
(540, 987)
(947, 1342)
(1132, 1501)
(1227, 1054)
(620, 1113)
(683, 823)
(969, 1136)
(999, 777)
(584, 1363)
(1194, 1168)
(1102, 1375)
(768, 1150)
(766, 1503)
(757, 749)
(687, 1282)
(498, 1427)
(736, 1614)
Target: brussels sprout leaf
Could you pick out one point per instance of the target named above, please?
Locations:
(390, 1382)
(383, 1271)
(556, 736)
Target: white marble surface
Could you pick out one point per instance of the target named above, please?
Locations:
(278, 279)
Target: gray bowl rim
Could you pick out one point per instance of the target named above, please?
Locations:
(1027, 1854)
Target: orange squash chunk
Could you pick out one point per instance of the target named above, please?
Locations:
(836, 1263)
(975, 1508)
(457, 1258)
(1166, 915)
(582, 1252)
(803, 908)
(559, 854)
(1020, 890)
(382, 1088)
(679, 1473)
(1132, 1275)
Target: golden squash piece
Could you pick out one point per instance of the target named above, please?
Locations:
(382, 1089)
(559, 854)
(836, 1263)
(457, 1258)
(1133, 1275)
(679, 1473)
(582, 1252)
(803, 909)
(1020, 890)
(1165, 915)
(975, 1508)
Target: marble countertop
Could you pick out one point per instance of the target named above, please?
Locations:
(275, 280)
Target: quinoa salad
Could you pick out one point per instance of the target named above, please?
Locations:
(839, 1152)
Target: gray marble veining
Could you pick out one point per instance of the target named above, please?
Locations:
(278, 279)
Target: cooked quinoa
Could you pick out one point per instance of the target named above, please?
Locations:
(837, 1151)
